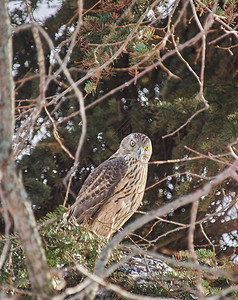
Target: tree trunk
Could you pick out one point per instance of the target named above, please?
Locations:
(12, 187)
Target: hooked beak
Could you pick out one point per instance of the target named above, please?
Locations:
(139, 152)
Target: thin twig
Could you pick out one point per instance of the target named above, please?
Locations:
(56, 135)
(207, 238)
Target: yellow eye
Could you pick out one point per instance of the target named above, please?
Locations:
(132, 143)
(147, 148)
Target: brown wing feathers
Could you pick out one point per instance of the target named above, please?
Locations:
(98, 187)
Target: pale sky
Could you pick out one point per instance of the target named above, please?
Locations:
(42, 12)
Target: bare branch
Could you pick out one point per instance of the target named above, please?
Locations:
(7, 229)
(224, 292)
(207, 188)
(109, 286)
(11, 185)
(193, 255)
(23, 132)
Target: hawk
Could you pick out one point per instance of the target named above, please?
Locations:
(114, 190)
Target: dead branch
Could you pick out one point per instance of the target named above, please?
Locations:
(11, 185)
(195, 196)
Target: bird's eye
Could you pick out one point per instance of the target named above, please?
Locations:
(147, 148)
(132, 143)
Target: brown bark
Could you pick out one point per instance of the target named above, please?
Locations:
(12, 187)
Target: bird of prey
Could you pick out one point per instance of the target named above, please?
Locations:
(114, 190)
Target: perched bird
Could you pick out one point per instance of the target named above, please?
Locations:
(114, 190)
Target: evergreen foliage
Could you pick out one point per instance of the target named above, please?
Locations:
(156, 104)
(67, 244)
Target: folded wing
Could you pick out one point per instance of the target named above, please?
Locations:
(98, 188)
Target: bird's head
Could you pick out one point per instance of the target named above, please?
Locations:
(138, 146)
